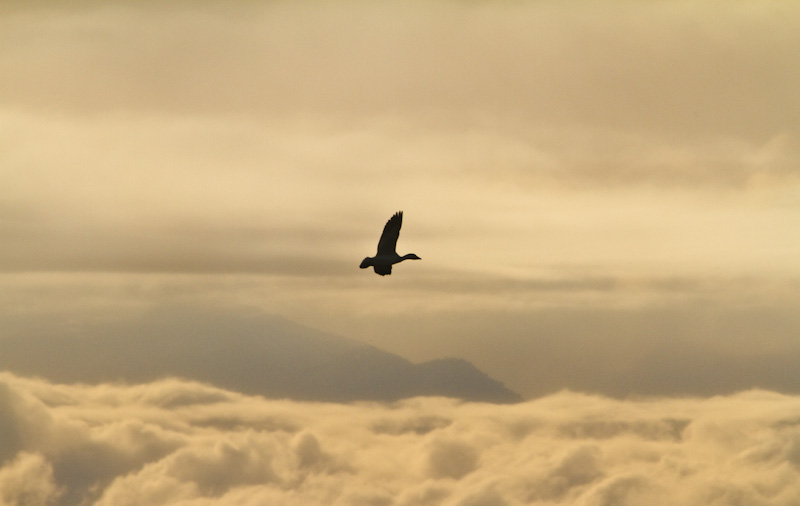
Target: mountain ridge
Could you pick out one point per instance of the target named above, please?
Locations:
(253, 354)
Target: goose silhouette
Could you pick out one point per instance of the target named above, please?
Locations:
(387, 255)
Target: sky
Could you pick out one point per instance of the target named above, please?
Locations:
(602, 193)
(605, 196)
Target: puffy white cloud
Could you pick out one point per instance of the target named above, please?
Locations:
(28, 480)
(123, 445)
(450, 459)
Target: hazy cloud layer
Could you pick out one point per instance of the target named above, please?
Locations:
(711, 67)
(658, 337)
(177, 443)
(197, 137)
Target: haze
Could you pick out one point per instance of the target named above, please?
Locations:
(605, 196)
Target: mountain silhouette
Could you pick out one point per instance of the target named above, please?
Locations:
(253, 354)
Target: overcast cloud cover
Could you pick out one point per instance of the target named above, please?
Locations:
(582, 179)
(180, 443)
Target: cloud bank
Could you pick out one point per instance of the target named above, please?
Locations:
(181, 443)
(711, 67)
(139, 134)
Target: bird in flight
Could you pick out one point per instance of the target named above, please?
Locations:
(387, 254)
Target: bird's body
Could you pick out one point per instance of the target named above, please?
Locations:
(387, 255)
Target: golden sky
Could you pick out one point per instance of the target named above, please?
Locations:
(587, 183)
(605, 195)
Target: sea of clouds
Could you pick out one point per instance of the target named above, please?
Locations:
(175, 442)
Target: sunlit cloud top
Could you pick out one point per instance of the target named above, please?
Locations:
(178, 443)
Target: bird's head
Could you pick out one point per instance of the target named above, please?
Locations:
(411, 256)
(367, 262)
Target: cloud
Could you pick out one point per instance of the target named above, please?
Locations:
(577, 154)
(27, 479)
(671, 65)
(451, 459)
(581, 93)
(137, 134)
(693, 451)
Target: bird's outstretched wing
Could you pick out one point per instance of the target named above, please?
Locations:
(388, 243)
